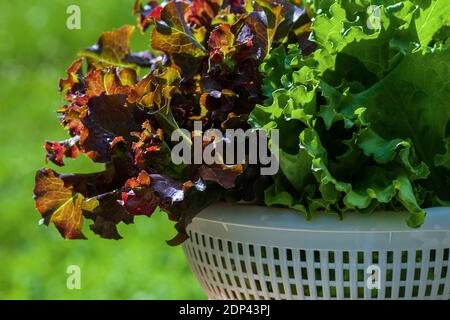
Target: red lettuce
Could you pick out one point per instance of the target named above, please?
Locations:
(121, 108)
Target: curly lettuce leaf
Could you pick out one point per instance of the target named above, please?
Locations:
(172, 34)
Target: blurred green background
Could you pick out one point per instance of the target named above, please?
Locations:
(35, 50)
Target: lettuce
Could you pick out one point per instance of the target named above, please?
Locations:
(122, 106)
(367, 113)
(358, 89)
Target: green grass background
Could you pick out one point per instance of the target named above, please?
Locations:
(35, 50)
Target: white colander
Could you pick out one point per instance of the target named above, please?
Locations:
(251, 252)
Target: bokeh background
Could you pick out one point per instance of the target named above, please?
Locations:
(35, 50)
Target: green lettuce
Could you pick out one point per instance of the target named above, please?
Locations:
(366, 114)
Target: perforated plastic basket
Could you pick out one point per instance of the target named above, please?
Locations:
(250, 252)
